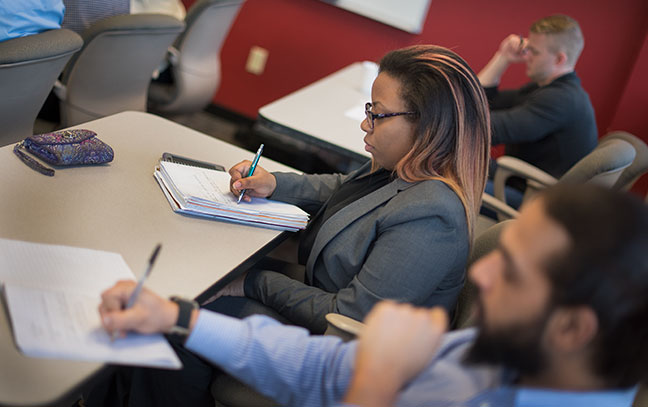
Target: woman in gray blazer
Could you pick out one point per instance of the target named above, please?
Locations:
(400, 226)
(397, 228)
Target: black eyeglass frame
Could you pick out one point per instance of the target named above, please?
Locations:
(371, 116)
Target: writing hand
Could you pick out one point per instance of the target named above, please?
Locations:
(150, 313)
(262, 184)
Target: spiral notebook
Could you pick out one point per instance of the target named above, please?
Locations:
(205, 193)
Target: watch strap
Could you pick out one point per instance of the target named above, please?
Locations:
(180, 331)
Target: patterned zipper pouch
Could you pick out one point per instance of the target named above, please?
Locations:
(62, 148)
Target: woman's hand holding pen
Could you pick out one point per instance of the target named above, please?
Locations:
(150, 313)
(262, 184)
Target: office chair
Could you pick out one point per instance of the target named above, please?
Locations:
(194, 61)
(28, 68)
(501, 209)
(485, 243)
(640, 164)
(603, 166)
(112, 71)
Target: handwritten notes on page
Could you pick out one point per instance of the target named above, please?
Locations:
(205, 192)
(53, 293)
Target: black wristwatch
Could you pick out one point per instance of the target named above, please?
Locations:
(180, 331)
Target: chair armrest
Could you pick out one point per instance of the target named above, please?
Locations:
(342, 326)
(508, 166)
(173, 55)
(503, 210)
(171, 59)
(60, 90)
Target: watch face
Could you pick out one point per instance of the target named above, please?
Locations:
(181, 328)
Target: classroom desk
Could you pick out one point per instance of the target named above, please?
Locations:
(119, 207)
(325, 114)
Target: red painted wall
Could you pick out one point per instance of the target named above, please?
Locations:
(632, 110)
(309, 39)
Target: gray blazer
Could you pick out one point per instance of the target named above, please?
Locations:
(405, 241)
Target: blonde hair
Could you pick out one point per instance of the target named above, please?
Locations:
(564, 33)
(452, 136)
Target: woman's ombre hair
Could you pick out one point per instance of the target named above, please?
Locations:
(452, 136)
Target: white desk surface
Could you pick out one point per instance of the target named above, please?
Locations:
(117, 207)
(320, 110)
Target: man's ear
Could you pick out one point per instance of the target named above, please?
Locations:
(572, 329)
(561, 58)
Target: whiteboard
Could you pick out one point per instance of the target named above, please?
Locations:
(407, 15)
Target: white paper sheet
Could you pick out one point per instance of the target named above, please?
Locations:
(60, 267)
(65, 325)
(53, 293)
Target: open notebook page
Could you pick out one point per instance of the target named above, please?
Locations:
(213, 186)
(53, 293)
(175, 203)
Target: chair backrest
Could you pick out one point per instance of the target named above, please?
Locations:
(602, 166)
(196, 73)
(483, 244)
(639, 165)
(113, 70)
(29, 67)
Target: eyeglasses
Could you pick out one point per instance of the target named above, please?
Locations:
(371, 116)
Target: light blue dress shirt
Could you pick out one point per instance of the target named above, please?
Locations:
(297, 369)
(19, 18)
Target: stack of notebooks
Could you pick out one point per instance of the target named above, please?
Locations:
(205, 192)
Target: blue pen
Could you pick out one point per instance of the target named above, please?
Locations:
(252, 168)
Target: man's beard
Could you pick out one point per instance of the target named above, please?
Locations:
(515, 346)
